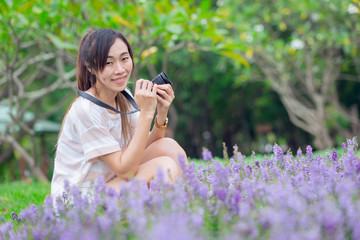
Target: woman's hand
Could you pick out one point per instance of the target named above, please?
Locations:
(145, 97)
(164, 99)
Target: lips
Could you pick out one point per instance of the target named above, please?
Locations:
(119, 79)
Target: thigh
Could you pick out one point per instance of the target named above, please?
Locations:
(116, 183)
(148, 170)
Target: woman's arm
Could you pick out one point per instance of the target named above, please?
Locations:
(126, 163)
(165, 96)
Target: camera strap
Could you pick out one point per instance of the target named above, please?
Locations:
(104, 105)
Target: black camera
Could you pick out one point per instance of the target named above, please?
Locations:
(161, 79)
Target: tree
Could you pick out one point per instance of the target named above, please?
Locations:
(39, 43)
(302, 49)
(35, 63)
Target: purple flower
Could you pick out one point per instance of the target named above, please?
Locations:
(221, 175)
(5, 228)
(104, 224)
(343, 146)
(352, 144)
(307, 196)
(221, 194)
(207, 155)
(48, 216)
(236, 168)
(100, 185)
(246, 230)
(278, 153)
(112, 209)
(29, 214)
(171, 226)
(248, 170)
(235, 148)
(191, 174)
(203, 192)
(67, 186)
(182, 163)
(201, 173)
(299, 153)
(65, 197)
(265, 162)
(197, 219)
(15, 218)
(334, 156)
(264, 174)
(309, 153)
(38, 234)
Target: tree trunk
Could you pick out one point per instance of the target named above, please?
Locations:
(305, 93)
(33, 168)
(308, 119)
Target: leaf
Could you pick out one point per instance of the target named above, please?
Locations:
(236, 57)
(60, 43)
(4, 7)
(174, 28)
(149, 52)
(205, 5)
(231, 46)
(119, 20)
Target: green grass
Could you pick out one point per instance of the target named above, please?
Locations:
(19, 195)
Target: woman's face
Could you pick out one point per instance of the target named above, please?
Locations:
(117, 71)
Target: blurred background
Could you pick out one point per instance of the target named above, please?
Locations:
(245, 73)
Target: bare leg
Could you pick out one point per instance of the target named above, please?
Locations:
(164, 147)
(148, 171)
(162, 154)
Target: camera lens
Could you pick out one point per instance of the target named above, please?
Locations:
(161, 79)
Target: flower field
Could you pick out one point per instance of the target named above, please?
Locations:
(285, 196)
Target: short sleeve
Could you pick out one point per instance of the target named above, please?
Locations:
(94, 134)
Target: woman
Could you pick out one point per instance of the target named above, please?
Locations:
(95, 141)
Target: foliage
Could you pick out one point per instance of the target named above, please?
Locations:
(39, 42)
(212, 50)
(309, 195)
(301, 50)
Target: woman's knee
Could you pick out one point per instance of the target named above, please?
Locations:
(169, 144)
(164, 147)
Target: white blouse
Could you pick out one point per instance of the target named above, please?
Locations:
(89, 131)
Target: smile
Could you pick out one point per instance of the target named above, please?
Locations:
(119, 80)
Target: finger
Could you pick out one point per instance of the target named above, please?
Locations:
(164, 102)
(155, 88)
(144, 85)
(139, 84)
(166, 99)
(150, 86)
(164, 94)
(167, 87)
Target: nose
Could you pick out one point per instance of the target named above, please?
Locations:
(119, 68)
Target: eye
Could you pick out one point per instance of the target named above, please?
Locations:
(125, 58)
(109, 63)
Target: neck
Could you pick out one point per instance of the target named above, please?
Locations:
(107, 97)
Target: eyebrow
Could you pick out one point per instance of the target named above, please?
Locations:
(123, 53)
